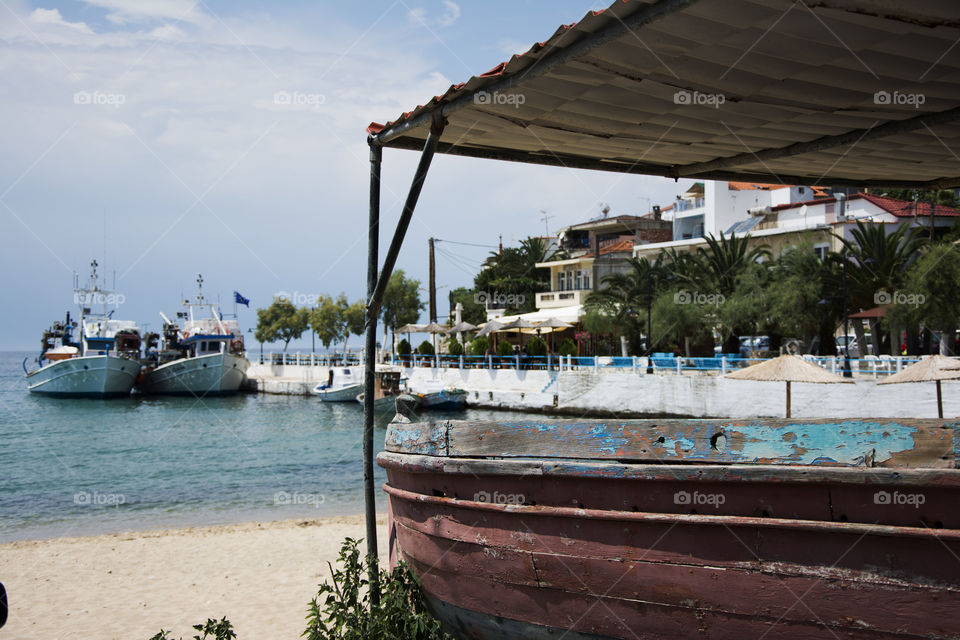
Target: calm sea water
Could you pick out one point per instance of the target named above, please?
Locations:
(80, 467)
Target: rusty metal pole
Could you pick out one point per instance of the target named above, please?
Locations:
(376, 286)
(370, 363)
(433, 285)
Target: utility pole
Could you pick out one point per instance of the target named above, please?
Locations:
(433, 284)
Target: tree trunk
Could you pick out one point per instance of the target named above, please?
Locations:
(875, 335)
(946, 342)
(894, 341)
(861, 338)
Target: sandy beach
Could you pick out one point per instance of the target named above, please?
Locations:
(128, 586)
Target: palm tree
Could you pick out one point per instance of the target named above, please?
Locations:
(877, 266)
(723, 261)
(624, 297)
(717, 269)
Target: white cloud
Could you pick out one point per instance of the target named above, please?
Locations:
(451, 13)
(125, 11)
(52, 17)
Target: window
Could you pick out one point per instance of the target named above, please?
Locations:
(579, 280)
(821, 250)
(561, 281)
(569, 280)
(586, 279)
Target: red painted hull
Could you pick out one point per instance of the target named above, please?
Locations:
(606, 549)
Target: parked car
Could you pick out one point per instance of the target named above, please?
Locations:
(754, 346)
(854, 346)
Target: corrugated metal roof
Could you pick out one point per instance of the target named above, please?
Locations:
(776, 91)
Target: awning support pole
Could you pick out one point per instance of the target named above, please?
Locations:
(370, 360)
(376, 286)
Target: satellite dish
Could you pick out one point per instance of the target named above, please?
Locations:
(604, 209)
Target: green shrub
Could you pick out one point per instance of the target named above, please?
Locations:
(455, 349)
(342, 610)
(213, 629)
(568, 348)
(479, 346)
(537, 347)
(425, 348)
(403, 347)
(504, 348)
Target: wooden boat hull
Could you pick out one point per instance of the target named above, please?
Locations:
(542, 546)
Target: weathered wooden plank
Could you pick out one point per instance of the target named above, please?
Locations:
(429, 438)
(768, 592)
(861, 442)
(608, 469)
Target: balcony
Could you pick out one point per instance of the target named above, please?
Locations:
(688, 207)
(554, 299)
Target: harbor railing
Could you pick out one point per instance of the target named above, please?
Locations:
(308, 359)
(658, 363)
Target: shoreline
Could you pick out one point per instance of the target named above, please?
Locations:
(259, 574)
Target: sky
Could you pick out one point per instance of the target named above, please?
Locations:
(167, 138)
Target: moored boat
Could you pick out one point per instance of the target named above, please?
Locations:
(203, 358)
(444, 399)
(672, 529)
(341, 386)
(102, 364)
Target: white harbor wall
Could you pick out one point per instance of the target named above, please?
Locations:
(700, 396)
(637, 393)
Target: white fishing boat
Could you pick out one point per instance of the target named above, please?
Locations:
(203, 357)
(342, 385)
(104, 363)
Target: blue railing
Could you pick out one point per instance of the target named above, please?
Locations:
(663, 363)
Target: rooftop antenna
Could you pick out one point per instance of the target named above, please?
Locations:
(546, 221)
(604, 209)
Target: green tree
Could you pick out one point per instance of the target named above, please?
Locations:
(877, 264)
(619, 306)
(473, 311)
(425, 348)
(930, 294)
(717, 269)
(356, 320)
(513, 272)
(281, 321)
(804, 298)
(328, 320)
(401, 303)
(479, 346)
(946, 197)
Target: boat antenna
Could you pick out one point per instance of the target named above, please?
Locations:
(199, 288)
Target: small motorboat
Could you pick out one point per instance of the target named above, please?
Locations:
(445, 399)
(342, 386)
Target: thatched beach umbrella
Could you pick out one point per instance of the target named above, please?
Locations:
(408, 329)
(789, 369)
(550, 325)
(460, 328)
(435, 328)
(932, 369)
(489, 327)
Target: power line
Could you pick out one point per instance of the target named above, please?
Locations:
(467, 244)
